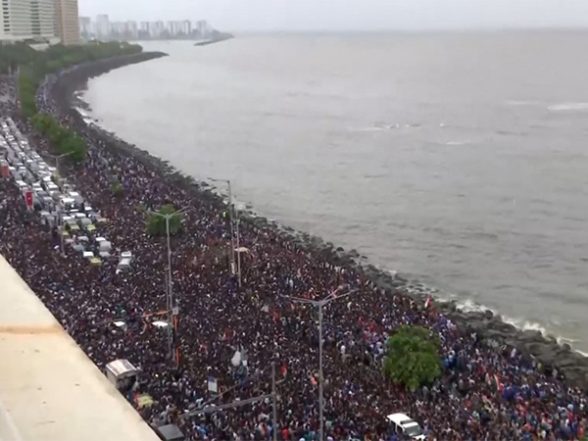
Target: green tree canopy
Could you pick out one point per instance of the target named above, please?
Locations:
(412, 357)
(116, 188)
(34, 65)
(64, 140)
(156, 222)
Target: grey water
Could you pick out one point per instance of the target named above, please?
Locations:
(460, 159)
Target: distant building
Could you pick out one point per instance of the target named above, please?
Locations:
(86, 28)
(203, 28)
(27, 20)
(66, 21)
(144, 30)
(178, 28)
(124, 30)
(102, 27)
(158, 29)
(132, 30)
(186, 27)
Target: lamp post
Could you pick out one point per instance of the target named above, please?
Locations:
(57, 158)
(172, 310)
(210, 408)
(238, 246)
(320, 304)
(61, 231)
(232, 223)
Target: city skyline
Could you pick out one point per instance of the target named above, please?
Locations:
(102, 28)
(337, 15)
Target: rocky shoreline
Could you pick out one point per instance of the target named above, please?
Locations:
(557, 359)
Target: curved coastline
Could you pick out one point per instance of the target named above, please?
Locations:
(554, 357)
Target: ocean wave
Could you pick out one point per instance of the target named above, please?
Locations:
(385, 127)
(457, 143)
(469, 305)
(367, 129)
(522, 103)
(523, 324)
(88, 119)
(569, 107)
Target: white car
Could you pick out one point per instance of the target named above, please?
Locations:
(403, 424)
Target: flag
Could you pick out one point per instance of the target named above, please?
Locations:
(499, 385)
(428, 302)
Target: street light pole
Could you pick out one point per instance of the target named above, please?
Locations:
(169, 272)
(209, 407)
(238, 249)
(232, 226)
(231, 222)
(321, 376)
(61, 231)
(320, 304)
(171, 304)
(57, 158)
(170, 295)
(274, 404)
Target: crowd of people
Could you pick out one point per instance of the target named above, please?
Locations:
(483, 393)
(8, 96)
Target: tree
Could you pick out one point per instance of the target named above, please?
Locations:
(156, 222)
(116, 188)
(35, 65)
(412, 357)
(63, 139)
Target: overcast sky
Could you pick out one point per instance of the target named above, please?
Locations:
(336, 15)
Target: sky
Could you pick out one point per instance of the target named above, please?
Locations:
(351, 15)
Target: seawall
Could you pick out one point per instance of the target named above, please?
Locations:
(554, 358)
(80, 74)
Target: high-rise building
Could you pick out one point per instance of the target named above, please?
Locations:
(145, 29)
(158, 29)
(203, 28)
(132, 30)
(27, 19)
(66, 21)
(102, 27)
(186, 27)
(86, 31)
(176, 28)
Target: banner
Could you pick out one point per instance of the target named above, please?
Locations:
(29, 199)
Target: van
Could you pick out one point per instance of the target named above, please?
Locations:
(122, 374)
(404, 425)
(170, 432)
(76, 197)
(67, 204)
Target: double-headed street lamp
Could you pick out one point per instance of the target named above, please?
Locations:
(172, 310)
(57, 158)
(320, 304)
(209, 407)
(231, 220)
(59, 178)
(235, 266)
